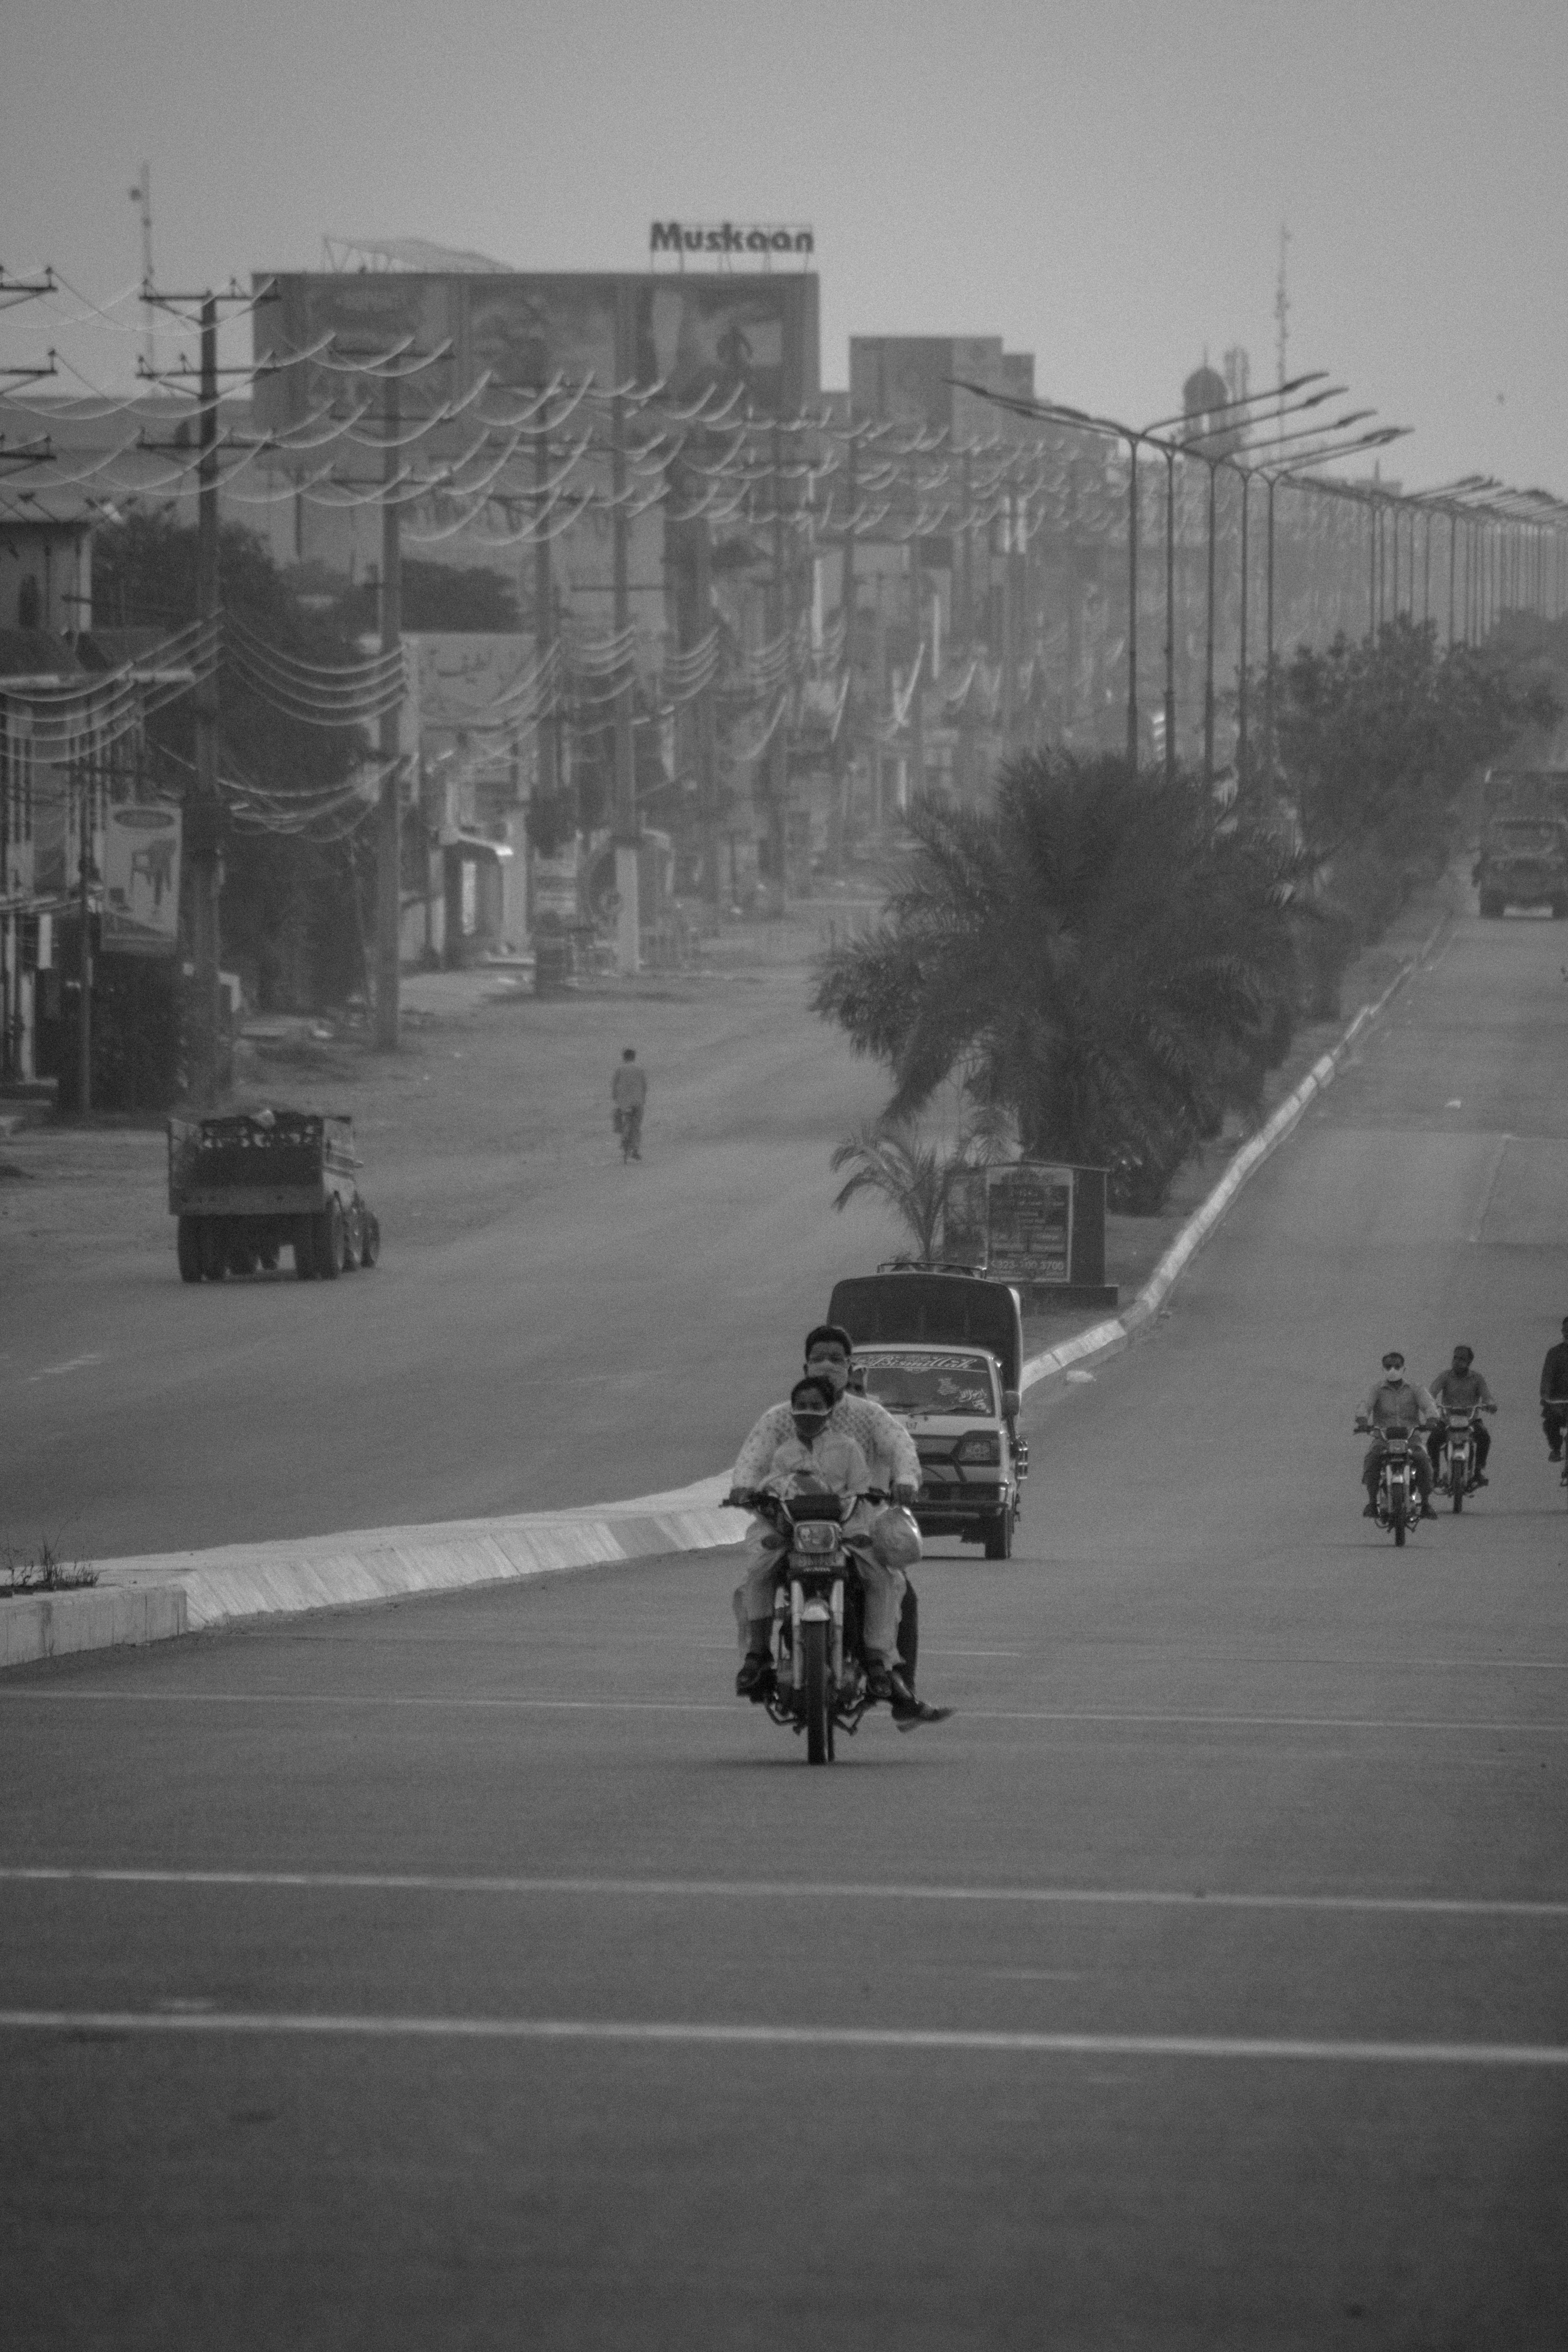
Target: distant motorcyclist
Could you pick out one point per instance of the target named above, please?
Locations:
(629, 1094)
(1461, 1389)
(1554, 1395)
(1395, 1398)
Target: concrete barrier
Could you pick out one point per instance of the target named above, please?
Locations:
(51, 1624)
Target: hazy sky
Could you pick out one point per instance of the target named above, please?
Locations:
(1099, 181)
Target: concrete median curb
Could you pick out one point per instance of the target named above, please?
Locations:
(156, 1597)
(1103, 1341)
(52, 1625)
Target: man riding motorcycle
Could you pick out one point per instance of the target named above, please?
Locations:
(1394, 1397)
(818, 1458)
(894, 1466)
(1554, 1391)
(1461, 1389)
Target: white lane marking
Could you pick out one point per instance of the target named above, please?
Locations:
(1494, 1172)
(39, 1691)
(786, 1890)
(787, 2037)
(72, 1364)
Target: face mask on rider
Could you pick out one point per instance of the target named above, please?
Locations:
(831, 1364)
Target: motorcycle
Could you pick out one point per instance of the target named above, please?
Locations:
(819, 1677)
(1459, 1470)
(1397, 1502)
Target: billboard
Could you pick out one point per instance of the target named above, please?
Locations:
(459, 677)
(142, 881)
(755, 333)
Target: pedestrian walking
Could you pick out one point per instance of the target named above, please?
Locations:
(629, 1094)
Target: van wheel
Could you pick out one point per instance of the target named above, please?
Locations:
(305, 1248)
(1559, 909)
(370, 1244)
(214, 1249)
(353, 1237)
(1491, 905)
(331, 1241)
(999, 1536)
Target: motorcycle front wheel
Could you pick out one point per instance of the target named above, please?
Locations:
(819, 1706)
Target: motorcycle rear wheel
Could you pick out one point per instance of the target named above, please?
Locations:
(819, 1706)
(1399, 1526)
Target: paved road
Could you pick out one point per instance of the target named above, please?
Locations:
(477, 1972)
(607, 1336)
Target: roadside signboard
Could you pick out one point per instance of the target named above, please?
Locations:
(141, 881)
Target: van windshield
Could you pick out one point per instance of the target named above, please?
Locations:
(958, 1383)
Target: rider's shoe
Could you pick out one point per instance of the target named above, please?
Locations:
(1481, 1479)
(1428, 1512)
(1370, 1511)
(909, 1712)
(1554, 1453)
(756, 1678)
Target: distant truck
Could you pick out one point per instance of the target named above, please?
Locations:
(1523, 862)
(248, 1186)
(944, 1352)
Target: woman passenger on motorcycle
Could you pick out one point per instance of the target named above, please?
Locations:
(816, 1458)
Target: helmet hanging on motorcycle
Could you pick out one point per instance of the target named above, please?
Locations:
(896, 1538)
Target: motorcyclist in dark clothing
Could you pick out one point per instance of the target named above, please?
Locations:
(1554, 1394)
(1461, 1389)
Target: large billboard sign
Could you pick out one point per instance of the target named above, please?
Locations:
(752, 332)
(141, 881)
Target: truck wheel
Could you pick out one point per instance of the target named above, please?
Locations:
(242, 1259)
(188, 1249)
(214, 1248)
(999, 1536)
(331, 1241)
(267, 1255)
(305, 1248)
(1491, 905)
(353, 1237)
(1559, 909)
(370, 1247)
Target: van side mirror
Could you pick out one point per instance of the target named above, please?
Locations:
(1010, 1404)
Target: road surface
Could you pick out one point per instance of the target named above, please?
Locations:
(480, 1972)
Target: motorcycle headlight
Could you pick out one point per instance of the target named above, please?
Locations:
(816, 1535)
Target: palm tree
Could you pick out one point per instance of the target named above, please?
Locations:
(1094, 956)
(916, 1179)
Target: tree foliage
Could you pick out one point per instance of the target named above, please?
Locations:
(1377, 738)
(293, 909)
(462, 598)
(1095, 956)
(916, 1179)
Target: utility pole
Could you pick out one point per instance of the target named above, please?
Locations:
(917, 690)
(1169, 456)
(1213, 465)
(544, 615)
(778, 748)
(142, 196)
(84, 967)
(1009, 615)
(389, 815)
(629, 939)
(842, 740)
(706, 721)
(202, 836)
(1069, 709)
(1132, 744)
